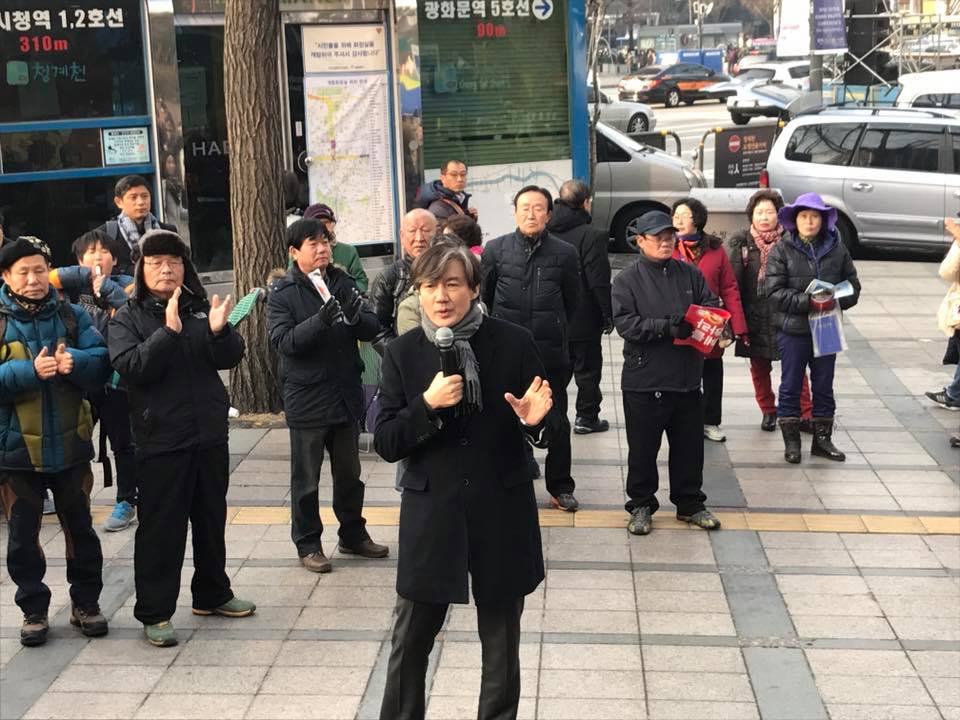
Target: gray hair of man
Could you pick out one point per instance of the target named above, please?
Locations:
(575, 193)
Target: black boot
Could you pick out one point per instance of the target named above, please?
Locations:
(769, 422)
(822, 445)
(790, 428)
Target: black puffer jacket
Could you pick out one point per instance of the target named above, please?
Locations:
(790, 269)
(389, 289)
(322, 366)
(573, 226)
(745, 260)
(177, 399)
(533, 283)
(645, 297)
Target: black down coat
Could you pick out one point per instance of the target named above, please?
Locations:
(792, 266)
(573, 226)
(468, 503)
(535, 283)
(322, 365)
(756, 309)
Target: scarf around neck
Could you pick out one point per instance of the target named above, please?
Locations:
(472, 400)
(690, 248)
(765, 240)
(31, 305)
(129, 230)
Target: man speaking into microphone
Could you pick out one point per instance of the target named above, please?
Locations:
(460, 413)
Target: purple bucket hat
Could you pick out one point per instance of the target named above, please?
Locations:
(807, 201)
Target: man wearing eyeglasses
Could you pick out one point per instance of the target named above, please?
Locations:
(447, 196)
(661, 380)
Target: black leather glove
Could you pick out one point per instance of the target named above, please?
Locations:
(680, 328)
(607, 325)
(352, 307)
(330, 313)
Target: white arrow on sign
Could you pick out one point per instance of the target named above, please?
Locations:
(542, 9)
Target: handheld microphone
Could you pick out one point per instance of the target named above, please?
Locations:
(449, 363)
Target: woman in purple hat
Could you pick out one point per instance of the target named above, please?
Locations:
(810, 249)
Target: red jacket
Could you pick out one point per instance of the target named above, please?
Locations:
(715, 266)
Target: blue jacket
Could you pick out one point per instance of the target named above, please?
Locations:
(45, 425)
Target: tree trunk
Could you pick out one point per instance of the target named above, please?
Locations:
(252, 95)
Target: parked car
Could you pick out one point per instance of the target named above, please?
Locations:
(632, 179)
(795, 73)
(892, 173)
(629, 117)
(938, 89)
(683, 82)
(761, 99)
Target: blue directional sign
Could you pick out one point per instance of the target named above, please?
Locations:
(542, 9)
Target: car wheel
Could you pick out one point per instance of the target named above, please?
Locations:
(638, 124)
(625, 226)
(739, 119)
(672, 98)
(848, 234)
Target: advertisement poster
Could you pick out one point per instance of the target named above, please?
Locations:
(829, 27)
(740, 156)
(793, 39)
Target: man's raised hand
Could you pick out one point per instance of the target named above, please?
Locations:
(535, 403)
(44, 365)
(173, 312)
(444, 391)
(219, 313)
(64, 360)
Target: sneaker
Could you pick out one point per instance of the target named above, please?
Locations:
(641, 521)
(368, 549)
(232, 608)
(703, 519)
(943, 400)
(160, 634)
(955, 441)
(712, 432)
(585, 426)
(90, 620)
(566, 502)
(33, 632)
(48, 507)
(122, 516)
(316, 562)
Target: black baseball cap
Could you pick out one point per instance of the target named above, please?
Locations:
(654, 222)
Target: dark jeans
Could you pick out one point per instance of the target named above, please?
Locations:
(760, 369)
(113, 411)
(648, 415)
(557, 468)
(586, 357)
(22, 496)
(306, 459)
(414, 632)
(796, 353)
(712, 391)
(189, 485)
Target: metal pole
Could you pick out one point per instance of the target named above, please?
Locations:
(816, 61)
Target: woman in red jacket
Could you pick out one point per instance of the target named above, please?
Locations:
(707, 253)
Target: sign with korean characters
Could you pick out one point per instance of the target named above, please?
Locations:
(73, 59)
(349, 48)
(126, 146)
(741, 155)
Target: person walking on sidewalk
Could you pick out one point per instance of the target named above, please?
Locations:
(948, 320)
(811, 249)
(531, 278)
(315, 327)
(749, 252)
(468, 513)
(660, 380)
(593, 317)
(50, 356)
(169, 344)
(706, 252)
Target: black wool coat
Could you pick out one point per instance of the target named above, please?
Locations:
(468, 503)
(745, 260)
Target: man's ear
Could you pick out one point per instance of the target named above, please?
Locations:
(118, 202)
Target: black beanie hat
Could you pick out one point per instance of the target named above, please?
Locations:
(23, 246)
(163, 242)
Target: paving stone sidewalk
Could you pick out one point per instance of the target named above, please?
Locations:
(833, 591)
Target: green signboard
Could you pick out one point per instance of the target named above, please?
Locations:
(494, 81)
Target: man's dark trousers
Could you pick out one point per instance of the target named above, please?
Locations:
(113, 412)
(416, 628)
(586, 357)
(648, 415)
(557, 468)
(22, 494)
(342, 441)
(173, 488)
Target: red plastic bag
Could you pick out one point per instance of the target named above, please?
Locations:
(708, 324)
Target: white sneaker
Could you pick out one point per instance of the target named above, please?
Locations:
(712, 432)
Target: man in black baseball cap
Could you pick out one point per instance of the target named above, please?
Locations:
(661, 380)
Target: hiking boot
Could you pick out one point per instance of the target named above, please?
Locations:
(641, 521)
(943, 400)
(585, 425)
(316, 562)
(713, 432)
(790, 429)
(822, 444)
(566, 502)
(122, 516)
(769, 422)
(33, 632)
(160, 634)
(90, 620)
(48, 506)
(232, 608)
(368, 549)
(702, 519)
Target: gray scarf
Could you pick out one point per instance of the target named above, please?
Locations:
(472, 400)
(128, 228)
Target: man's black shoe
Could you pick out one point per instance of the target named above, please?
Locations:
(769, 422)
(34, 630)
(368, 549)
(641, 522)
(585, 426)
(943, 400)
(90, 620)
(565, 501)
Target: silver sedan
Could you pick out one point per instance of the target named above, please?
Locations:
(628, 117)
